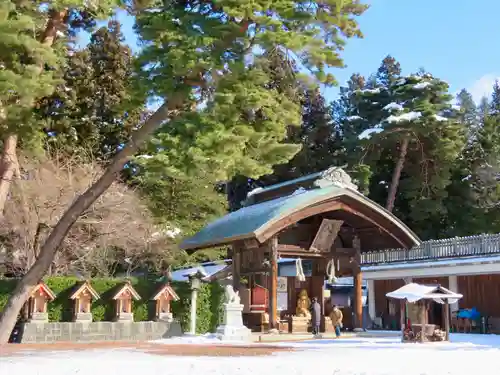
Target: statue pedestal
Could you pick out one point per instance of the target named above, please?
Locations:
(233, 329)
(299, 324)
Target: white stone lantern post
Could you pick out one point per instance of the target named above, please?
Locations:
(195, 281)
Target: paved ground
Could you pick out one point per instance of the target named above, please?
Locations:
(145, 347)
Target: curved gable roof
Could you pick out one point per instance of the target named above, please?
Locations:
(263, 220)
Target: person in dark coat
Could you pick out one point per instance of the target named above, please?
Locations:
(315, 315)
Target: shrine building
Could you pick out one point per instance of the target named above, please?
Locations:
(321, 218)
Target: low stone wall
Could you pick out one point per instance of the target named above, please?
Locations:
(97, 331)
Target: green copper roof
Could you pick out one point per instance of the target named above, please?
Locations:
(249, 221)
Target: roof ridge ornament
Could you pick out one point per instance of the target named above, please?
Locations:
(335, 176)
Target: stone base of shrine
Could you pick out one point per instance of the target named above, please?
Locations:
(124, 317)
(38, 317)
(298, 324)
(83, 317)
(233, 329)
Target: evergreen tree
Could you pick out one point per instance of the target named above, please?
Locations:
(90, 109)
(468, 114)
(282, 76)
(317, 138)
(30, 30)
(495, 99)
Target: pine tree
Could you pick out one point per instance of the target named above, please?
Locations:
(30, 30)
(468, 114)
(317, 138)
(495, 100)
(282, 76)
(89, 111)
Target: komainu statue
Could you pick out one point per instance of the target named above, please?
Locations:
(303, 304)
(232, 297)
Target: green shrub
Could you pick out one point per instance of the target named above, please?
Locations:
(209, 312)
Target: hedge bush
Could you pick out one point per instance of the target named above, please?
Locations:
(209, 305)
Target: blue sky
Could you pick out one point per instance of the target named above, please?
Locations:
(455, 40)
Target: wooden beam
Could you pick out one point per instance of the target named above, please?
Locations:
(273, 287)
(303, 250)
(326, 235)
(301, 255)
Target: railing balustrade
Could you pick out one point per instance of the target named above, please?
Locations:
(481, 245)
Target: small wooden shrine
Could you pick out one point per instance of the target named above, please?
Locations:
(82, 296)
(321, 217)
(162, 299)
(123, 298)
(415, 300)
(37, 303)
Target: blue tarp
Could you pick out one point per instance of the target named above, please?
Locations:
(472, 314)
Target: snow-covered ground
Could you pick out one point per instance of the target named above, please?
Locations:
(465, 354)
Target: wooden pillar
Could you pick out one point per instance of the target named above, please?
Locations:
(358, 281)
(402, 309)
(273, 284)
(446, 307)
(236, 266)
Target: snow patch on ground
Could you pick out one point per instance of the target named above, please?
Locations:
(207, 339)
(464, 355)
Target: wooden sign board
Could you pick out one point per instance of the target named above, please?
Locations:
(326, 235)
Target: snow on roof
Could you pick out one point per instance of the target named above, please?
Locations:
(354, 118)
(409, 116)
(421, 85)
(414, 292)
(367, 134)
(393, 106)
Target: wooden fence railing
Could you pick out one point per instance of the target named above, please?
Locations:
(482, 245)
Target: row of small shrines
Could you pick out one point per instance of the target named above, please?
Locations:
(84, 295)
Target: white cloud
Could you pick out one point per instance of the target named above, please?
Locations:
(483, 86)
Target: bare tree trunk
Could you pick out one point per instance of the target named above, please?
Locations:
(8, 166)
(396, 174)
(83, 202)
(8, 160)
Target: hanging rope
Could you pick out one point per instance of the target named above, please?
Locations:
(330, 272)
(299, 270)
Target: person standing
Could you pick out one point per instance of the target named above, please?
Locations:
(336, 316)
(315, 315)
